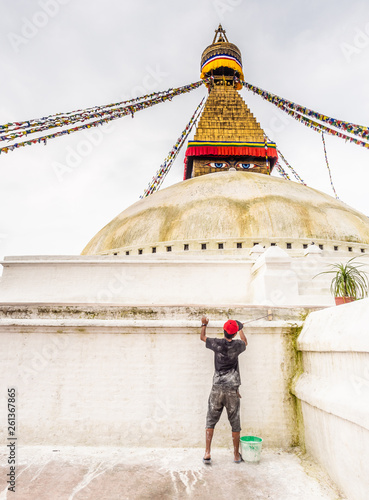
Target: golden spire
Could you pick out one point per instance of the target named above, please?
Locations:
(228, 135)
(222, 35)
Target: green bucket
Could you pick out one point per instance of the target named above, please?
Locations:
(251, 448)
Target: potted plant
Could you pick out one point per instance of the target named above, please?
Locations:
(349, 282)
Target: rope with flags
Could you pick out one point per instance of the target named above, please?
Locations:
(160, 175)
(296, 175)
(329, 170)
(99, 117)
(281, 170)
(60, 117)
(304, 115)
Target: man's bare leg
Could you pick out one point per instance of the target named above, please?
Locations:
(209, 437)
(236, 445)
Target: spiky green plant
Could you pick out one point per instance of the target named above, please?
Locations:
(349, 280)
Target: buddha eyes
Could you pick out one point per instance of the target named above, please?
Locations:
(225, 164)
(218, 164)
(246, 166)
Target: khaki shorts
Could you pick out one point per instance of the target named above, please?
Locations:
(220, 397)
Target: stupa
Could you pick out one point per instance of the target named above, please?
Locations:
(239, 205)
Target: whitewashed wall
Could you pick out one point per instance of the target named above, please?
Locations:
(334, 393)
(272, 277)
(123, 383)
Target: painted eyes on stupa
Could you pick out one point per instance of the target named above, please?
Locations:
(218, 164)
(246, 166)
(225, 164)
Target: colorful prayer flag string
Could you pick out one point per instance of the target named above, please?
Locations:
(282, 171)
(318, 127)
(329, 170)
(160, 175)
(296, 175)
(111, 115)
(351, 128)
(61, 119)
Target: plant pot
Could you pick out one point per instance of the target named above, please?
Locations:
(343, 300)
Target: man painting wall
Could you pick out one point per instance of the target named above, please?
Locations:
(226, 382)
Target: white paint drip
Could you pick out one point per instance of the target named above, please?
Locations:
(92, 473)
(174, 480)
(185, 478)
(39, 471)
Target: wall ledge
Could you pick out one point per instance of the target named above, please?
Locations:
(337, 398)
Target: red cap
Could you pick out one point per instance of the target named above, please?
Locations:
(231, 327)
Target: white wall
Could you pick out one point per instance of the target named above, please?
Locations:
(334, 393)
(124, 280)
(85, 382)
(271, 278)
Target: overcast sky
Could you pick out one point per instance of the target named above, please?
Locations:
(62, 55)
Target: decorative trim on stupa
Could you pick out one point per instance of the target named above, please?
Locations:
(225, 148)
(222, 59)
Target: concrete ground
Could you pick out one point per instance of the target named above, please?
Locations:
(70, 473)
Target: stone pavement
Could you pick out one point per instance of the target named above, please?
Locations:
(83, 473)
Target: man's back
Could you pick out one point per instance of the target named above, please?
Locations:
(226, 361)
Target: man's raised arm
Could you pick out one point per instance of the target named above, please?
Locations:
(240, 331)
(204, 323)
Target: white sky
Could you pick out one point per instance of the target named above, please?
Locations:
(91, 52)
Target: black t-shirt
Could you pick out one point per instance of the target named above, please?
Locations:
(226, 361)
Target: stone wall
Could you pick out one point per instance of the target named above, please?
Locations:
(334, 393)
